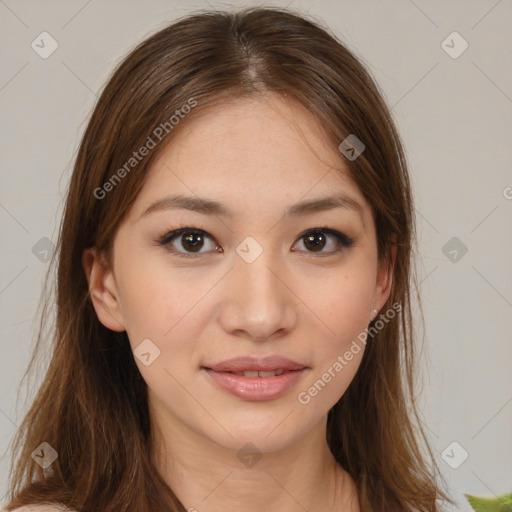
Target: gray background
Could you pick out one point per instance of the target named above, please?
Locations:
(454, 115)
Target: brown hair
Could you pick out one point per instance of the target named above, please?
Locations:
(92, 405)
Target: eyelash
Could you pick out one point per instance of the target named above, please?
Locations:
(166, 239)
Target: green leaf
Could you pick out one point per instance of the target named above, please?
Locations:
(501, 503)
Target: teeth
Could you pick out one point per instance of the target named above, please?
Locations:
(260, 374)
(270, 374)
(250, 374)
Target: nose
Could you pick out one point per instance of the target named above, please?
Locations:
(258, 302)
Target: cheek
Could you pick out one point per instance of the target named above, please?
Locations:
(161, 306)
(342, 303)
(342, 299)
(156, 301)
(166, 306)
(344, 306)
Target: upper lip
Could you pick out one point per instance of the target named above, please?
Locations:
(248, 363)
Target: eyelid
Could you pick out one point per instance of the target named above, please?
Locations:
(165, 240)
(344, 239)
(169, 235)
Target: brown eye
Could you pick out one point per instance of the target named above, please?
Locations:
(316, 240)
(188, 242)
(192, 241)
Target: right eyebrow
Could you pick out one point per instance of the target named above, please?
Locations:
(196, 204)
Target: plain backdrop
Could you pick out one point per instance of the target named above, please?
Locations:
(453, 107)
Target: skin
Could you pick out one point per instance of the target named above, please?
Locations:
(251, 155)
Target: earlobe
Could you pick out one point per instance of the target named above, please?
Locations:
(102, 289)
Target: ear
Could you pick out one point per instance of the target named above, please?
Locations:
(102, 289)
(384, 279)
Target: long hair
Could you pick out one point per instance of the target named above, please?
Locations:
(92, 405)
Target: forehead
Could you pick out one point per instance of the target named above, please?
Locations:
(250, 153)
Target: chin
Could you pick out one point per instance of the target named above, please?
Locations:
(267, 435)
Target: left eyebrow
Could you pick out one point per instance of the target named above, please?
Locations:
(210, 207)
(323, 204)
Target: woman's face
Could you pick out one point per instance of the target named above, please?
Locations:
(256, 282)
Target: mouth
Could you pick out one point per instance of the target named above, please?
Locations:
(253, 367)
(263, 374)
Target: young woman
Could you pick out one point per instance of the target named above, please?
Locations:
(234, 327)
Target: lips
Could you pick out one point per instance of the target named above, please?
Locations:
(255, 379)
(249, 364)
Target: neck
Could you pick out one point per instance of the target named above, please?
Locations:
(208, 477)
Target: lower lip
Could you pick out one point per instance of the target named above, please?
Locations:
(256, 388)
